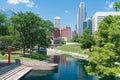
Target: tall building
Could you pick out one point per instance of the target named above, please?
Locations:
(88, 23)
(66, 33)
(81, 16)
(98, 17)
(57, 22)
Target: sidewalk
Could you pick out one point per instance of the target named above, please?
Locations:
(59, 52)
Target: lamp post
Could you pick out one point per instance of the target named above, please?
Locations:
(9, 52)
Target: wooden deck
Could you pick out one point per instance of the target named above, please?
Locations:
(21, 67)
(13, 72)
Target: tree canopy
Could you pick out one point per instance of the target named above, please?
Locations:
(106, 53)
(86, 39)
(32, 29)
(116, 6)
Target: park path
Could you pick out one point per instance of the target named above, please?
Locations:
(60, 52)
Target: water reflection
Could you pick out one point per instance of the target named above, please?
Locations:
(68, 69)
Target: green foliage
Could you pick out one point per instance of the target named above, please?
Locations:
(75, 38)
(2, 52)
(62, 41)
(86, 39)
(107, 50)
(3, 27)
(32, 30)
(6, 40)
(116, 6)
(38, 56)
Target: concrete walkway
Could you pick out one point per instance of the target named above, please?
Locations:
(59, 52)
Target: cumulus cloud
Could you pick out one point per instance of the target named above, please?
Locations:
(111, 5)
(66, 11)
(28, 3)
(14, 2)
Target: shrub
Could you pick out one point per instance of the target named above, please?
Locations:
(62, 42)
(3, 53)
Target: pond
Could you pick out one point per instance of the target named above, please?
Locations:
(68, 69)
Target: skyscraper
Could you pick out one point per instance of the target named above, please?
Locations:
(88, 24)
(81, 16)
(57, 22)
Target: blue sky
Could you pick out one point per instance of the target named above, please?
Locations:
(66, 9)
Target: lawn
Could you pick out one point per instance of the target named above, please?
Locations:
(18, 55)
(13, 57)
(71, 48)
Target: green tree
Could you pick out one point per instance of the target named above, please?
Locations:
(86, 39)
(62, 41)
(27, 24)
(45, 34)
(75, 38)
(32, 30)
(107, 50)
(116, 6)
(3, 27)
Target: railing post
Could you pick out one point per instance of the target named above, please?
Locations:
(9, 52)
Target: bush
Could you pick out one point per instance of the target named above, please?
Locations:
(62, 42)
(3, 53)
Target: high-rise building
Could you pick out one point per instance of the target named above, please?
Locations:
(98, 17)
(88, 23)
(57, 22)
(81, 16)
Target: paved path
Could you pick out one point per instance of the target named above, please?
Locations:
(59, 52)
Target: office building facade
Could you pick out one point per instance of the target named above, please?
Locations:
(98, 17)
(66, 33)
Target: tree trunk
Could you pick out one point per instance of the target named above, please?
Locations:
(23, 49)
(38, 48)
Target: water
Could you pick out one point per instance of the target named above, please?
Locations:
(68, 69)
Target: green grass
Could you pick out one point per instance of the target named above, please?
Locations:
(18, 55)
(71, 48)
(13, 57)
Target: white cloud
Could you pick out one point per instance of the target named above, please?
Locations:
(24, 1)
(106, 2)
(111, 5)
(66, 11)
(14, 2)
(28, 3)
(108, 5)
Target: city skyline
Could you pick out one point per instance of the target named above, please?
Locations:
(65, 9)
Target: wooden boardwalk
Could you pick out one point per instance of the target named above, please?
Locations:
(21, 67)
(13, 72)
